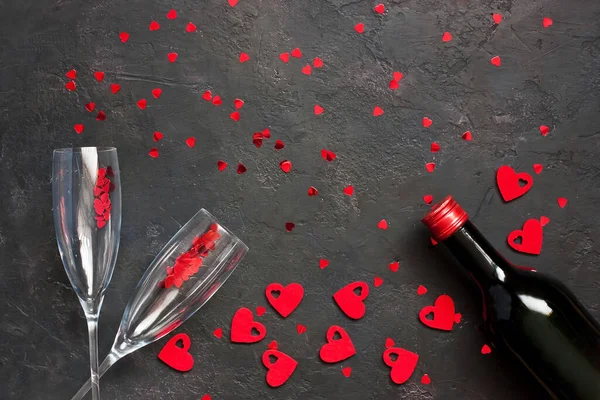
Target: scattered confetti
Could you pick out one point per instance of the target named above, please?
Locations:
(562, 202)
(427, 122)
(349, 190)
(296, 53)
(142, 103)
(244, 57)
(281, 369)
(232, 3)
(544, 130)
(360, 27)
(289, 226)
(99, 75)
(157, 136)
(307, 69)
(382, 224)
(266, 133)
(260, 311)
(317, 62)
(537, 168)
(428, 199)
(379, 8)
(377, 281)
(300, 329)
(90, 107)
(430, 167)
(175, 356)
(328, 155)
(221, 165)
(72, 74)
(323, 263)
(336, 350)
(154, 26)
(398, 76)
(71, 85)
(485, 349)
(318, 109)
(207, 95)
(349, 302)
(425, 380)
(497, 18)
(393, 266)
(101, 116)
(377, 111)
(272, 345)
(394, 84)
(403, 366)
(156, 92)
(206, 397)
(509, 183)
(218, 333)
(235, 116)
(389, 342)
(530, 236)
(244, 329)
(241, 168)
(279, 145)
(443, 314)
(285, 57)
(114, 88)
(153, 152)
(172, 14)
(347, 371)
(435, 147)
(79, 128)
(288, 299)
(238, 103)
(312, 191)
(286, 166)
(446, 37)
(217, 100)
(190, 27)
(496, 61)
(124, 36)
(421, 290)
(191, 142)
(172, 57)
(544, 220)
(547, 22)
(467, 136)
(257, 139)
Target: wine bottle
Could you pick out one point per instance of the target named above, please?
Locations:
(534, 317)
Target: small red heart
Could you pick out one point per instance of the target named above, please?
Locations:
(360, 27)
(238, 103)
(177, 357)
(393, 266)
(154, 26)
(379, 8)
(289, 226)
(427, 122)
(467, 136)
(349, 190)
(217, 100)
(207, 95)
(398, 76)
(99, 75)
(509, 183)
(485, 349)
(72, 74)
(547, 22)
(241, 168)
(435, 147)
(312, 191)
(206, 397)
(190, 27)
(317, 62)
(377, 281)
(242, 326)
(114, 88)
(562, 202)
(289, 297)
(336, 350)
(286, 166)
(78, 128)
(156, 92)
(296, 53)
(318, 109)
(328, 155)
(101, 116)
(421, 290)
(260, 311)
(307, 70)
(425, 380)
(221, 165)
(280, 370)
(350, 303)
(537, 168)
(496, 61)
(272, 345)
(347, 371)
(544, 130)
(90, 107)
(531, 237)
(430, 167)
(142, 103)
(404, 365)
(124, 36)
(191, 141)
(153, 152)
(428, 199)
(172, 14)
(497, 18)
(218, 333)
(266, 133)
(257, 139)
(235, 116)
(323, 263)
(232, 3)
(244, 57)
(382, 224)
(300, 329)
(389, 342)
(377, 111)
(544, 220)
(394, 84)
(279, 145)
(70, 85)
(446, 37)
(285, 57)
(443, 314)
(172, 57)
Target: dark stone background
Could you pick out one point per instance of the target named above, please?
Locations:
(548, 76)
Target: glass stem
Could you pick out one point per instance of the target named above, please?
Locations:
(108, 362)
(92, 323)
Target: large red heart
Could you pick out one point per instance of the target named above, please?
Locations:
(177, 357)
(508, 183)
(350, 303)
(242, 325)
(336, 350)
(289, 297)
(404, 365)
(281, 369)
(531, 237)
(443, 314)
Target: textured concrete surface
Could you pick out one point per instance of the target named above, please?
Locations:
(548, 76)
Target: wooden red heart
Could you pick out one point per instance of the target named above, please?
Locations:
(336, 350)
(350, 303)
(443, 314)
(242, 325)
(289, 297)
(281, 369)
(177, 357)
(404, 365)
(531, 237)
(508, 183)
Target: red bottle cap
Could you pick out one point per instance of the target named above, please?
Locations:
(445, 218)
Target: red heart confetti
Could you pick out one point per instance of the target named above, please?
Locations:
(312, 191)
(394, 84)
(435, 147)
(496, 61)
(430, 167)
(280, 370)
(124, 36)
(172, 57)
(296, 53)
(428, 199)
(467, 136)
(360, 27)
(547, 22)
(156, 92)
(349, 302)
(446, 37)
(285, 57)
(377, 281)
(260, 311)
(443, 314)
(544, 220)
(235, 116)
(279, 145)
(241, 168)
(497, 18)
(221, 165)
(238, 103)
(70, 85)
(207, 95)
(191, 141)
(257, 139)
(328, 155)
(206, 397)
(377, 111)
(349, 190)
(544, 130)
(426, 122)
(172, 14)
(323, 263)
(101, 116)
(485, 349)
(154, 26)
(421, 290)
(190, 27)
(99, 75)
(272, 345)
(393, 266)
(153, 152)
(72, 74)
(243, 325)
(509, 183)
(425, 379)
(336, 350)
(389, 342)
(289, 226)
(244, 57)
(537, 168)
(177, 357)
(382, 224)
(218, 333)
(79, 128)
(142, 103)
(531, 237)
(398, 76)
(217, 100)
(300, 329)
(318, 109)
(114, 88)
(562, 202)
(286, 166)
(90, 107)
(307, 69)
(347, 371)
(403, 366)
(379, 8)
(317, 62)
(266, 133)
(232, 3)
(289, 297)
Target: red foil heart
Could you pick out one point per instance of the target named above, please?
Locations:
(289, 297)
(508, 183)
(336, 350)
(177, 357)
(350, 303)
(281, 369)
(404, 365)
(443, 314)
(531, 237)
(242, 325)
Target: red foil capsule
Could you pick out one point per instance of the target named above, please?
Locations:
(445, 218)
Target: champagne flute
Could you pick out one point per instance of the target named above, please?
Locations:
(186, 273)
(86, 197)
